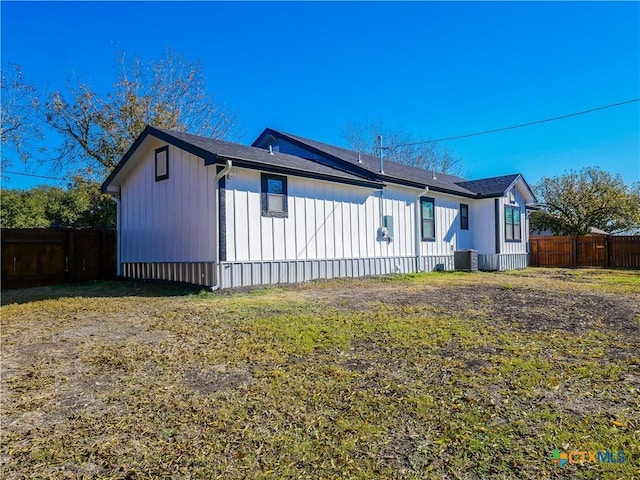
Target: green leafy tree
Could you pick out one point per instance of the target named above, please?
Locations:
(98, 209)
(576, 201)
(98, 129)
(26, 209)
(397, 147)
(82, 205)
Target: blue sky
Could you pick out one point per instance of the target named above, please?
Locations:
(433, 69)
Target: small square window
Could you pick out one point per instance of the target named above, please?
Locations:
(162, 163)
(464, 216)
(274, 196)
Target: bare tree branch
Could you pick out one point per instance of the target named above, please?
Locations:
(362, 137)
(170, 92)
(19, 127)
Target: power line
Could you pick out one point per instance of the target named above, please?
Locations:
(528, 124)
(33, 175)
(467, 135)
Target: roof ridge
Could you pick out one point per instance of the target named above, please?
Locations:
(213, 150)
(355, 152)
(226, 142)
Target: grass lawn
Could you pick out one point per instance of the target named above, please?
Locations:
(440, 375)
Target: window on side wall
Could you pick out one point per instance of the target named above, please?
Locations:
(464, 216)
(274, 196)
(162, 163)
(512, 224)
(428, 216)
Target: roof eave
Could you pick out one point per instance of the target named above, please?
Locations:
(149, 130)
(266, 167)
(515, 180)
(421, 185)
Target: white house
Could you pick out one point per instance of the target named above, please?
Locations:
(290, 209)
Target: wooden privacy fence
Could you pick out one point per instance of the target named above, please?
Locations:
(34, 256)
(585, 251)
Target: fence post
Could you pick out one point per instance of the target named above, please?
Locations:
(575, 251)
(103, 253)
(606, 252)
(71, 253)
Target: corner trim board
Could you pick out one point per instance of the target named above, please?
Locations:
(497, 223)
(222, 217)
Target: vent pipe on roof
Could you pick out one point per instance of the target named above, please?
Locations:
(270, 149)
(359, 158)
(433, 173)
(380, 153)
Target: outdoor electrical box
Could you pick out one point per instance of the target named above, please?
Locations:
(387, 222)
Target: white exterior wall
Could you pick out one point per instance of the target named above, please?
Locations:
(484, 229)
(514, 247)
(483, 226)
(171, 220)
(168, 228)
(449, 236)
(332, 221)
(325, 220)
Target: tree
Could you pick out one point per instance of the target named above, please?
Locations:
(19, 125)
(397, 147)
(81, 205)
(98, 129)
(98, 209)
(576, 201)
(20, 209)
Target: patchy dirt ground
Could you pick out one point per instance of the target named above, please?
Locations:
(426, 376)
(518, 307)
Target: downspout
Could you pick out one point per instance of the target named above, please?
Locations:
(218, 267)
(116, 198)
(382, 189)
(418, 229)
(118, 231)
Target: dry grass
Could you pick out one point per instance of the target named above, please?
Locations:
(421, 376)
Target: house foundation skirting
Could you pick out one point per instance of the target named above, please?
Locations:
(242, 274)
(245, 274)
(196, 273)
(502, 261)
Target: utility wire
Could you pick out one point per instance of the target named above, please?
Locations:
(528, 124)
(32, 175)
(467, 135)
(78, 180)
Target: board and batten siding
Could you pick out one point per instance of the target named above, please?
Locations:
(483, 213)
(170, 220)
(449, 236)
(325, 220)
(328, 220)
(483, 228)
(520, 247)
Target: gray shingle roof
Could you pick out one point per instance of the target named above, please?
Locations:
(348, 167)
(490, 187)
(236, 151)
(393, 171)
(397, 172)
(215, 151)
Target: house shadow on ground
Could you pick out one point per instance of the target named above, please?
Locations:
(100, 289)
